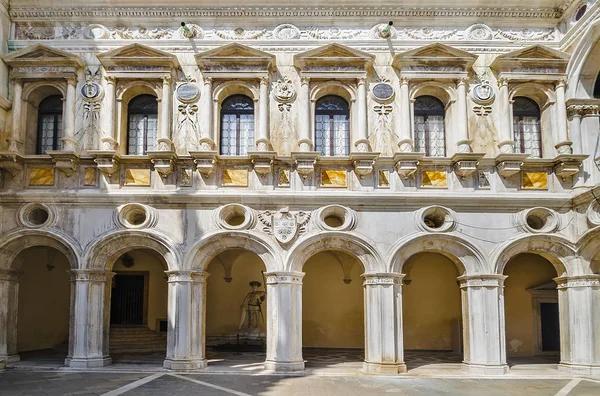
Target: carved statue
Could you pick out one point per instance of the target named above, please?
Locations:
(251, 307)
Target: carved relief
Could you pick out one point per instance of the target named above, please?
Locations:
(334, 33)
(284, 91)
(429, 34)
(479, 31)
(286, 32)
(383, 139)
(92, 94)
(241, 34)
(283, 225)
(141, 33)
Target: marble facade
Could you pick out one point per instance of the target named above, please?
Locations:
(383, 203)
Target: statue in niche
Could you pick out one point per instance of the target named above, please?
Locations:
(252, 308)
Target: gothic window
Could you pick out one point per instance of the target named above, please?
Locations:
(430, 135)
(526, 127)
(142, 125)
(49, 124)
(237, 125)
(597, 87)
(332, 126)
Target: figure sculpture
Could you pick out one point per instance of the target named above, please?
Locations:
(251, 308)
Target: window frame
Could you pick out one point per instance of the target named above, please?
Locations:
(57, 132)
(520, 113)
(238, 132)
(427, 113)
(145, 113)
(332, 114)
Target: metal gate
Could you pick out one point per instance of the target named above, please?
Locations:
(127, 300)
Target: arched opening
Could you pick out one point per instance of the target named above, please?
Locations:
(429, 118)
(531, 310)
(236, 310)
(237, 125)
(332, 126)
(138, 307)
(49, 128)
(142, 124)
(333, 310)
(43, 305)
(431, 310)
(526, 127)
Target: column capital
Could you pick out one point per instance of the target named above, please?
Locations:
(491, 280)
(274, 278)
(187, 276)
(382, 278)
(561, 83)
(166, 80)
(503, 82)
(110, 80)
(11, 275)
(90, 275)
(207, 80)
(462, 81)
(264, 80)
(565, 282)
(71, 81)
(304, 80)
(404, 80)
(361, 80)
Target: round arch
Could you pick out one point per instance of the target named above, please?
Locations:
(589, 249)
(584, 67)
(42, 89)
(542, 94)
(465, 255)
(235, 87)
(333, 88)
(130, 90)
(203, 250)
(443, 92)
(106, 249)
(15, 242)
(355, 245)
(557, 250)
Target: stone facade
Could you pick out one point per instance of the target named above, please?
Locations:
(480, 204)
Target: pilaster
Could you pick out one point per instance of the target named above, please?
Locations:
(9, 299)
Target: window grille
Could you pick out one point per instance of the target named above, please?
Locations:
(142, 124)
(332, 126)
(526, 127)
(237, 125)
(430, 134)
(49, 124)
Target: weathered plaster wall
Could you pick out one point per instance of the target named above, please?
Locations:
(44, 302)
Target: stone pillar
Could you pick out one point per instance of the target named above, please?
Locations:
(406, 142)
(206, 110)
(284, 322)
(262, 138)
(563, 146)
(16, 139)
(361, 141)
(305, 142)
(463, 143)
(505, 137)
(107, 116)
(384, 346)
(68, 139)
(164, 135)
(575, 131)
(483, 324)
(9, 300)
(579, 311)
(90, 318)
(186, 312)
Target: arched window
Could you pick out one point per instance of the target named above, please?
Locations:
(142, 124)
(597, 87)
(332, 126)
(237, 125)
(526, 127)
(430, 135)
(49, 129)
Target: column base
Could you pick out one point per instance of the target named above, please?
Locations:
(88, 362)
(185, 364)
(384, 368)
(580, 369)
(2, 365)
(284, 367)
(10, 358)
(485, 369)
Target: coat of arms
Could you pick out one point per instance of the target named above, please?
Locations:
(283, 225)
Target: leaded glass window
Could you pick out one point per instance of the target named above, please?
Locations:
(237, 125)
(49, 124)
(430, 134)
(142, 125)
(526, 127)
(332, 126)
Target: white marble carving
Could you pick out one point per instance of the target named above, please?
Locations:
(286, 32)
(479, 31)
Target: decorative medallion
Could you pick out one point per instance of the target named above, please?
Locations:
(383, 92)
(92, 92)
(286, 32)
(483, 93)
(283, 91)
(96, 31)
(188, 92)
(479, 31)
(283, 225)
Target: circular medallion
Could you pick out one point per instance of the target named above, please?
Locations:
(188, 92)
(91, 91)
(286, 32)
(383, 92)
(96, 31)
(483, 93)
(479, 31)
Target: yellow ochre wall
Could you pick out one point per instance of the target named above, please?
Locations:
(224, 299)
(430, 302)
(524, 271)
(145, 260)
(44, 300)
(332, 311)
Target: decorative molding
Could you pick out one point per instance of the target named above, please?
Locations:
(187, 276)
(481, 281)
(577, 281)
(274, 278)
(90, 275)
(382, 279)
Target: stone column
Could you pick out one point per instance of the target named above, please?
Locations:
(483, 324)
(305, 142)
(186, 312)
(361, 141)
(262, 138)
(384, 346)
(16, 139)
(90, 318)
(9, 300)
(563, 146)
(206, 108)
(164, 135)
(406, 142)
(463, 143)
(575, 130)
(579, 312)
(108, 117)
(284, 322)
(505, 137)
(68, 138)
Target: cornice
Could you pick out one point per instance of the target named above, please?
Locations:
(96, 13)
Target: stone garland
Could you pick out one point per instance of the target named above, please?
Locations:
(284, 32)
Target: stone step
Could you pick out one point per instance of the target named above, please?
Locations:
(136, 340)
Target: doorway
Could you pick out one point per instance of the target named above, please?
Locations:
(550, 327)
(129, 299)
